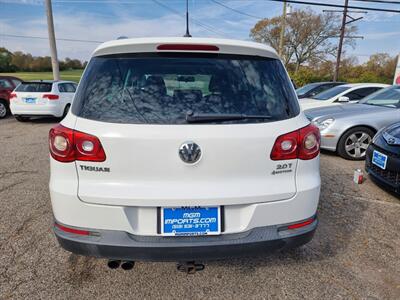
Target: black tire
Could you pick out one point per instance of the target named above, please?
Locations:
(4, 110)
(66, 110)
(21, 119)
(354, 142)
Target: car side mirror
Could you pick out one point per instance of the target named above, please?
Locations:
(344, 99)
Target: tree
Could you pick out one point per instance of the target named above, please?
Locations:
(267, 31)
(5, 59)
(20, 61)
(308, 36)
(382, 65)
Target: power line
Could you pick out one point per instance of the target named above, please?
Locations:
(235, 10)
(318, 4)
(379, 1)
(337, 5)
(46, 38)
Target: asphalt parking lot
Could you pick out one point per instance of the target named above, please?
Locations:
(355, 253)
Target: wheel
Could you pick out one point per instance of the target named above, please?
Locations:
(66, 110)
(21, 119)
(354, 143)
(3, 109)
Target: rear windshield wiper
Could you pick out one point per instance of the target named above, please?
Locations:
(204, 118)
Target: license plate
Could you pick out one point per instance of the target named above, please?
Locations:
(190, 221)
(30, 100)
(379, 159)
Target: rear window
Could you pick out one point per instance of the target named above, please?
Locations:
(162, 89)
(34, 87)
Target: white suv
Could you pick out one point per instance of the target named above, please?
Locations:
(182, 149)
(42, 98)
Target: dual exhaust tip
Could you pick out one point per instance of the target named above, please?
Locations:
(188, 267)
(125, 265)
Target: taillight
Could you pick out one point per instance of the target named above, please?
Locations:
(12, 96)
(187, 47)
(67, 145)
(310, 140)
(300, 144)
(51, 97)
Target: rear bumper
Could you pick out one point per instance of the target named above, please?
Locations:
(124, 246)
(36, 110)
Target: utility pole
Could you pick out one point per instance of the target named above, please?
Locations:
(283, 28)
(187, 34)
(52, 41)
(342, 31)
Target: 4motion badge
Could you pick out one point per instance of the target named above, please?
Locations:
(282, 168)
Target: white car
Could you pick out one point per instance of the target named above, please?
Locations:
(42, 98)
(345, 93)
(179, 149)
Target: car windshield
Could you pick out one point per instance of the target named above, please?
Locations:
(389, 97)
(328, 94)
(34, 87)
(305, 89)
(163, 89)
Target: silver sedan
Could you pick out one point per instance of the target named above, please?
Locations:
(349, 129)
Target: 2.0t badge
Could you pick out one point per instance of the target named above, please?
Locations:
(189, 152)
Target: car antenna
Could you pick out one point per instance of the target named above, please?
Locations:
(187, 34)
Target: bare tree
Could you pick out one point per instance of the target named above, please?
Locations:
(308, 37)
(267, 31)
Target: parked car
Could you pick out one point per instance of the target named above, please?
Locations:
(312, 89)
(349, 129)
(7, 85)
(346, 93)
(42, 98)
(383, 157)
(180, 149)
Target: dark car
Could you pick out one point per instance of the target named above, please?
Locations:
(383, 158)
(312, 89)
(7, 85)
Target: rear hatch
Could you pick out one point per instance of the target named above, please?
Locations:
(138, 107)
(33, 93)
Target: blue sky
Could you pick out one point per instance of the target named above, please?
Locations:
(101, 20)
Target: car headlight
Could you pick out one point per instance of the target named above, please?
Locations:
(324, 123)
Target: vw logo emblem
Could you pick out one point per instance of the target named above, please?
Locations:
(189, 152)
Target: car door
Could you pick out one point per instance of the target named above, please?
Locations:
(5, 88)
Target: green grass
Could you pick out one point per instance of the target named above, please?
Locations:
(73, 75)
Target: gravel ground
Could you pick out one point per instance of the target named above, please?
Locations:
(355, 253)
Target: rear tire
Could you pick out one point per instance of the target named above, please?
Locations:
(21, 119)
(66, 110)
(3, 109)
(354, 142)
